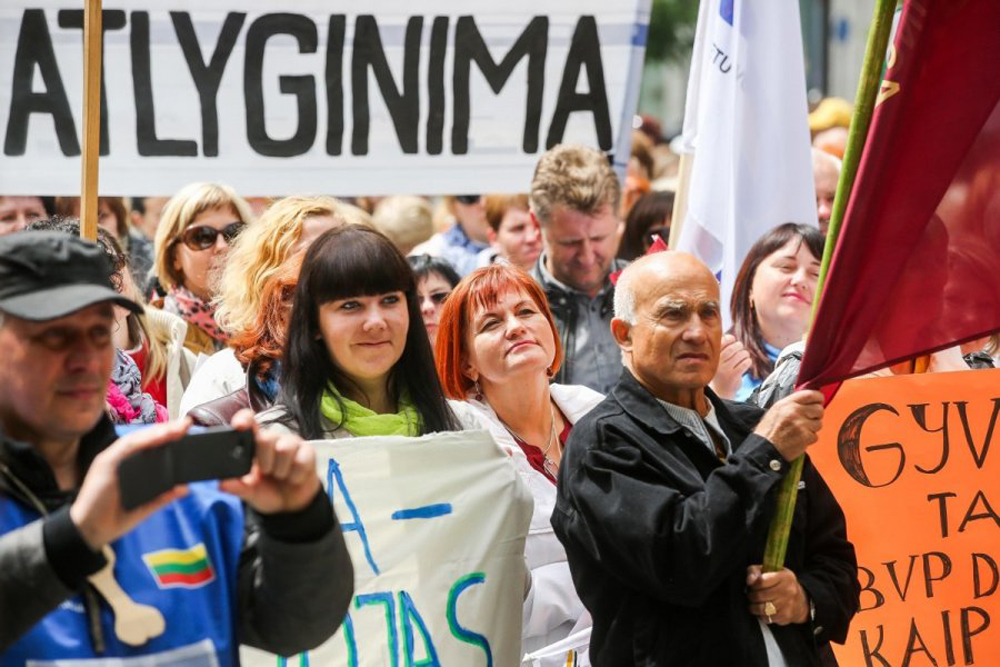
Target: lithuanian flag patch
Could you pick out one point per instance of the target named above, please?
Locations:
(180, 568)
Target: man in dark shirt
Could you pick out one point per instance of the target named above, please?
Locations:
(666, 492)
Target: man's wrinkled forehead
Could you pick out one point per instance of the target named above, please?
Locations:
(682, 301)
(686, 287)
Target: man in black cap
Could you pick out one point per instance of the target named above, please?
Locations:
(186, 577)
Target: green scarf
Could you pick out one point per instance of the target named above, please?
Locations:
(361, 421)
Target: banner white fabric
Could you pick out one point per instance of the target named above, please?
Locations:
(317, 97)
(746, 121)
(436, 529)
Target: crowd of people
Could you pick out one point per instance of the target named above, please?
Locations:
(602, 371)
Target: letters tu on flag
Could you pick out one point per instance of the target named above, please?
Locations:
(746, 123)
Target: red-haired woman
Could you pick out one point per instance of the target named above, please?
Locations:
(497, 349)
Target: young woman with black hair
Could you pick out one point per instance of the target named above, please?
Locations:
(357, 358)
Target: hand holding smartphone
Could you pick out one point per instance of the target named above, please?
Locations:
(202, 454)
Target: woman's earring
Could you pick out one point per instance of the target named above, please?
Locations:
(479, 391)
(548, 372)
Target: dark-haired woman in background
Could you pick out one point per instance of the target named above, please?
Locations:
(771, 304)
(356, 361)
(650, 216)
(436, 278)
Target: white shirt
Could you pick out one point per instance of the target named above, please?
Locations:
(553, 610)
(216, 376)
(698, 425)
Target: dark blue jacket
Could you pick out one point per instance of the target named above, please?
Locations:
(280, 582)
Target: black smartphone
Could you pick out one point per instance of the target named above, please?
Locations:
(219, 452)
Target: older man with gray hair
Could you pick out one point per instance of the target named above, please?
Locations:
(666, 492)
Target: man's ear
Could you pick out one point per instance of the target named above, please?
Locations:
(541, 230)
(622, 332)
(536, 222)
(491, 235)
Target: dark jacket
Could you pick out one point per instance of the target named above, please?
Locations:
(659, 534)
(293, 585)
(575, 330)
(219, 412)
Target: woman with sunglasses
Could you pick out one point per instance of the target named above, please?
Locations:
(196, 228)
(436, 278)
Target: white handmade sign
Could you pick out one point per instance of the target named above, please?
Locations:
(436, 529)
(439, 97)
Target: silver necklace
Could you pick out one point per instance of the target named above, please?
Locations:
(549, 465)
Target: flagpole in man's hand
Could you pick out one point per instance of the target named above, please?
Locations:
(864, 108)
(91, 117)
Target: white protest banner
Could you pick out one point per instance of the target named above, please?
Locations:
(439, 97)
(436, 529)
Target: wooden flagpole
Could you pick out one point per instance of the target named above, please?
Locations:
(91, 117)
(864, 108)
(680, 198)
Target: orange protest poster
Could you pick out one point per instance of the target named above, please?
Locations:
(915, 463)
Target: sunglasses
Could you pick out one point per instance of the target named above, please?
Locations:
(204, 237)
(438, 298)
(468, 200)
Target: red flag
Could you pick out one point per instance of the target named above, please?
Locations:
(916, 264)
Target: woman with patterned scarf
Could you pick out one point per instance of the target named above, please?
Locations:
(357, 360)
(196, 228)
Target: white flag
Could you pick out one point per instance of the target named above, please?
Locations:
(746, 122)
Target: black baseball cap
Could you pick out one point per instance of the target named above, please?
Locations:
(48, 275)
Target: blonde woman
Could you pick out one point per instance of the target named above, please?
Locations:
(254, 298)
(196, 229)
